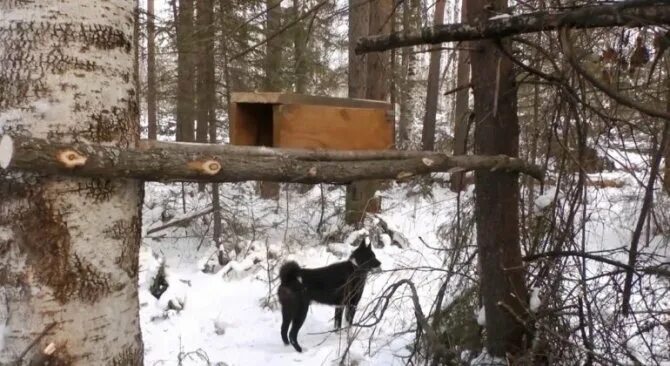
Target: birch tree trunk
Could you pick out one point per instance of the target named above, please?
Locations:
(69, 246)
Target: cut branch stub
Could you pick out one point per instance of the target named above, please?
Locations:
(70, 158)
(191, 162)
(207, 167)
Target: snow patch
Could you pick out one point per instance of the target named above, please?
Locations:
(6, 151)
(174, 298)
(3, 331)
(500, 16)
(352, 238)
(535, 299)
(481, 316)
(543, 201)
(485, 359)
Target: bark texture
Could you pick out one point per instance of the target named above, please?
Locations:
(152, 125)
(165, 161)
(428, 134)
(359, 21)
(461, 112)
(626, 13)
(502, 284)
(185, 72)
(69, 246)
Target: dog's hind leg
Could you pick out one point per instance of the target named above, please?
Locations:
(298, 320)
(286, 317)
(338, 317)
(289, 305)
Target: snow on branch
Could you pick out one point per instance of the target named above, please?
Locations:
(636, 13)
(192, 162)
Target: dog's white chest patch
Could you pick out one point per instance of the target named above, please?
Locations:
(299, 279)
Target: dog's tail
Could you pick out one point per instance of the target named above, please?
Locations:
(289, 271)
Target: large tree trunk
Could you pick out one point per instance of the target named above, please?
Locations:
(428, 135)
(461, 112)
(497, 193)
(359, 18)
(151, 71)
(69, 246)
(185, 72)
(361, 195)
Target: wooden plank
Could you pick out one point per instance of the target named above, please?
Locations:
(290, 98)
(323, 127)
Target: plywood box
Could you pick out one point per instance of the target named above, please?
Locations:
(310, 122)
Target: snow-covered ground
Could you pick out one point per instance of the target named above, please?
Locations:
(226, 317)
(231, 317)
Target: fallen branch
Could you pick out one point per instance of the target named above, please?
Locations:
(626, 13)
(181, 221)
(161, 161)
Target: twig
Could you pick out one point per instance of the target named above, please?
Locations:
(35, 341)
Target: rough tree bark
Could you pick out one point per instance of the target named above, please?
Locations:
(428, 133)
(151, 71)
(502, 284)
(359, 20)
(411, 17)
(359, 11)
(172, 161)
(69, 246)
(461, 112)
(185, 72)
(361, 195)
(205, 68)
(638, 13)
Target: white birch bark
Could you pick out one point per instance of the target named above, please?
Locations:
(69, 246)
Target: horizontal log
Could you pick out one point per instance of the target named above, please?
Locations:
(626, 13)
(191, 162)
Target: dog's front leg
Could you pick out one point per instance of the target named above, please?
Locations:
(351, 310)
(339, 310)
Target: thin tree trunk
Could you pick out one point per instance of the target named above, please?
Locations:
(185, 72)
(204, 40)
(461, 110)
(151, 71)
(359, 11)
(299, 48)
(503, 289)
(410, 19)
(272, 81)
(428, 135)
(70, 246)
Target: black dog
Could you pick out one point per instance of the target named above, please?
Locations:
(340, 284)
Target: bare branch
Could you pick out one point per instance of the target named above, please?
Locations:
(636, 13)
(161, 161)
